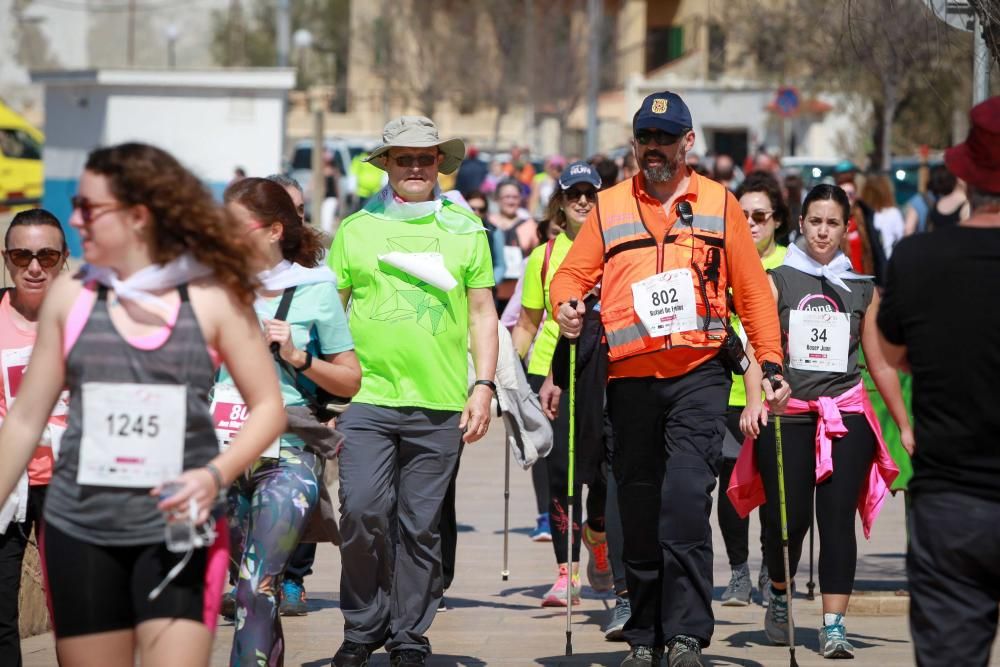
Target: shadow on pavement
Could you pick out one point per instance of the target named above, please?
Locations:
(611, 657)
(381, 659)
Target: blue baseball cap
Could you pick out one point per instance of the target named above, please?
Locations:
(579, 172)
(663, 111)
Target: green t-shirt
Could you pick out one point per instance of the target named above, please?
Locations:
(318, 326)
(414, 337)
(738, 394)
(536, 296)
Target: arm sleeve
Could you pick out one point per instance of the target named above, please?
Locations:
(532, 294)
(751, 291)
(337, 259)
(479, 272)
(583, 266)
(331, 327)
(888, 319)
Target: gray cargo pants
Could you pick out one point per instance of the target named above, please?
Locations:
(394, 471)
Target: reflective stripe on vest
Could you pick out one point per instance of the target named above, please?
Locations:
(632, 254)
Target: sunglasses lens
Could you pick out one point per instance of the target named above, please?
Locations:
(426, 160)
(48, 257)
(573, 195)
(19, 257)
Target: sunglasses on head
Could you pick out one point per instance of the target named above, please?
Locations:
(759, 216)
(422, 160)
(574, 194)
(659, 137)
(21, 257)
(87, 208)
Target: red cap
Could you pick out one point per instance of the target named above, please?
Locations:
(977, 160)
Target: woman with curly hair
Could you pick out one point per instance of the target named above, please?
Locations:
(128, 546)
(272, 501)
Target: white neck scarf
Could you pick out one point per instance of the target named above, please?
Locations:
(286, 274)
(387, 205)
(838, 268)
(155, 277)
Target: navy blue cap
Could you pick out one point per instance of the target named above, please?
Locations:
(579, 172)
(663, 111)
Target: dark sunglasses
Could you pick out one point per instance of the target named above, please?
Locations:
(659, 137)
(21, 257)
(479, 210)
(422, 160)
(760, 216)
(574, 194)
(87, 208)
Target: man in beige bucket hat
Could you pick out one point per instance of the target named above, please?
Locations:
(418, 271)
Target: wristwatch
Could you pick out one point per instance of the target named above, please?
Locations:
(770, 370)
(487, 383)
(307, 364)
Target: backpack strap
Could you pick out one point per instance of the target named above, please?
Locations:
(549, 245)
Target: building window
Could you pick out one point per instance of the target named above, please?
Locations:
(664, 45)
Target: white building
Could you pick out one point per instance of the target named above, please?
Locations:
(211, 120)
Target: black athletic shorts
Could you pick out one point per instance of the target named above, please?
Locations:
(95, 588)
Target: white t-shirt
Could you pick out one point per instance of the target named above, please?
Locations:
(890, 225)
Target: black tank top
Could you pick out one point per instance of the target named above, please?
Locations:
(800, 291)
(112, 516)
(938, 220)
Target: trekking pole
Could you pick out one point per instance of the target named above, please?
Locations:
(569, 488)
(783, 512)
(505, 572)
(811, 585)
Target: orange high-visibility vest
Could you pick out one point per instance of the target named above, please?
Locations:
(632, 254)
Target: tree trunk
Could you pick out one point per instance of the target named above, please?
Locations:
(888, 115)
(501, 110)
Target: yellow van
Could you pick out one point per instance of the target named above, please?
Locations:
(20, 161)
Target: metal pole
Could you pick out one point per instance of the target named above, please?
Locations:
(980, 64)
(318, 183)
(284, 32)
(594, 9)
(130, 47)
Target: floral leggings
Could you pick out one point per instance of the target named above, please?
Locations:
(268, 510)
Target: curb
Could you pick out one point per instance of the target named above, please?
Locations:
(879, 603)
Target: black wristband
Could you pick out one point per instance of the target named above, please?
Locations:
(307, 364)
(487, 383)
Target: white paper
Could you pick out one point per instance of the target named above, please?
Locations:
(133, 434)
(818, 340)
(427, 266)
(665, 302)
(229, 413)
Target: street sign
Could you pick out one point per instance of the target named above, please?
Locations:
(787, 101)
(956, 13)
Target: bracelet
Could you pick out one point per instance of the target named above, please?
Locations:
(307, 364)
(487, 383)
(216, 475)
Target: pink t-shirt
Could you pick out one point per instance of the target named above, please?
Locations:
(15, 350)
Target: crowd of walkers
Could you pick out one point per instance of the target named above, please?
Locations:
(196, 395)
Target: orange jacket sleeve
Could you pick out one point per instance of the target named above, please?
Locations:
(583, 266)
(751, 291)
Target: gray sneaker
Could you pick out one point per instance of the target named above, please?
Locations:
(776, 620)
(614, 630)
(684, 651)
(833, 641)
(643, 656)
(737, 593)
(764, 585)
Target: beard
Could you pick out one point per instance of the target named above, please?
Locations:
(665, 171)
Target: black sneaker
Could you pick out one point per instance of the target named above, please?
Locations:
(643, 656)
(684, 651)
(353, 654)
(407, 658)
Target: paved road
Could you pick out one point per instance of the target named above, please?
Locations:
(501, 623)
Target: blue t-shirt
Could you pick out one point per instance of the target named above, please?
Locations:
(318, 326)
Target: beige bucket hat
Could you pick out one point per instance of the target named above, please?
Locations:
(417, 132)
